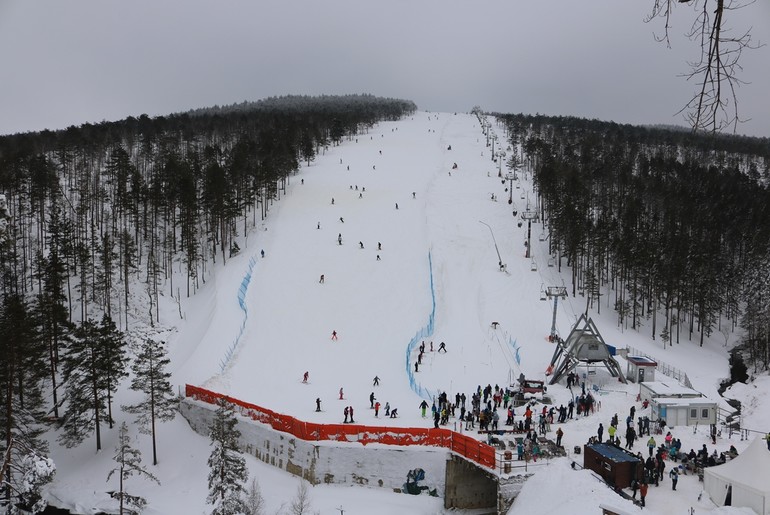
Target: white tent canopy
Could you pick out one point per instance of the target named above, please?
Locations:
(745, 478)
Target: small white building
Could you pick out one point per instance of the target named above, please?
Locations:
(677, 404)
(640, 369)
(684, 412)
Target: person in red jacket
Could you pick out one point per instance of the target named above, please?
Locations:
(643, 491)
(377, 409)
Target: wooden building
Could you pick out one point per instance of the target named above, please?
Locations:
(615, 465)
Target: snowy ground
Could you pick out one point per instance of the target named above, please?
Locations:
(407, 197)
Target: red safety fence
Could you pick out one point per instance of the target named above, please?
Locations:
(466, 446)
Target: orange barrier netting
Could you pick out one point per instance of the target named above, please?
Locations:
(466, 446)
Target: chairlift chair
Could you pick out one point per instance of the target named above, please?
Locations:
(542, 236)
(533, 265)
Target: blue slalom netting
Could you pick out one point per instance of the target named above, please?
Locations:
(425, 332)
(242, 303)
(515, 350)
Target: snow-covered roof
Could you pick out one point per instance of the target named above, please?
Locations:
(641, 361)
(669, 388)
(683, 401)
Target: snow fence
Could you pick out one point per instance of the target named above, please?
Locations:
(468, 447)
(242, 303)
(425, 332)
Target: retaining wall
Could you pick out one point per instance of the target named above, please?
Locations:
(326, 461)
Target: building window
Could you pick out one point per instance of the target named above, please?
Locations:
(704, 413)
(693, 412)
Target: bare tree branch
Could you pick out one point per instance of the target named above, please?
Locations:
(714, 105)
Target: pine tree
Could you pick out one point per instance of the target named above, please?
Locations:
(22, 369)
(227, 468)
(152, 379)
(114, 359)
(94, 363)
(129, 463)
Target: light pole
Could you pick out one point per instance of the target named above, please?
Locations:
(555, 292)
(499, 259)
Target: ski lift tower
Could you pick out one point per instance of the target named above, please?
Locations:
(555, 292)
(529, 216)
(510, 177)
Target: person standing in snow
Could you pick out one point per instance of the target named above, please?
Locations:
(341, 396)
(351, 415)
(334, 335)
(322, 279)
(318, 404)
(600, 432)
(643, 491)
(387, 408)
(559, 434)
(674, 475)
(305, 377)
(262, 252)
(630, 437)
(651, 444)
(377, 409)
(371, 400)
(346, 411)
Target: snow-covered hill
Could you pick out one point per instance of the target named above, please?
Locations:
(418, 234)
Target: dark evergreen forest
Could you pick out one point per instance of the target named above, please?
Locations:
(673, 227)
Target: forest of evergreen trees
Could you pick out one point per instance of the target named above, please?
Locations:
(92, 211)
(665, 223)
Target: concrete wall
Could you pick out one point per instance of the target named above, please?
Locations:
(330, 462)
(468, 486)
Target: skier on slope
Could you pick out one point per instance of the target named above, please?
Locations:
(305, 377)
(371, 400)
(423, 407)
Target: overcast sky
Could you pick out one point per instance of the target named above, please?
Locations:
(68, 62)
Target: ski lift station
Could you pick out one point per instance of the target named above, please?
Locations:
(677, 404)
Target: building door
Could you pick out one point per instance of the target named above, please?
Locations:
(641, 374)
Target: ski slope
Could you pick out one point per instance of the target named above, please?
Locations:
(402, 192)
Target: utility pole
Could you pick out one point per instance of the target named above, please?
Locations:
(555, 292)
(499, 259)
